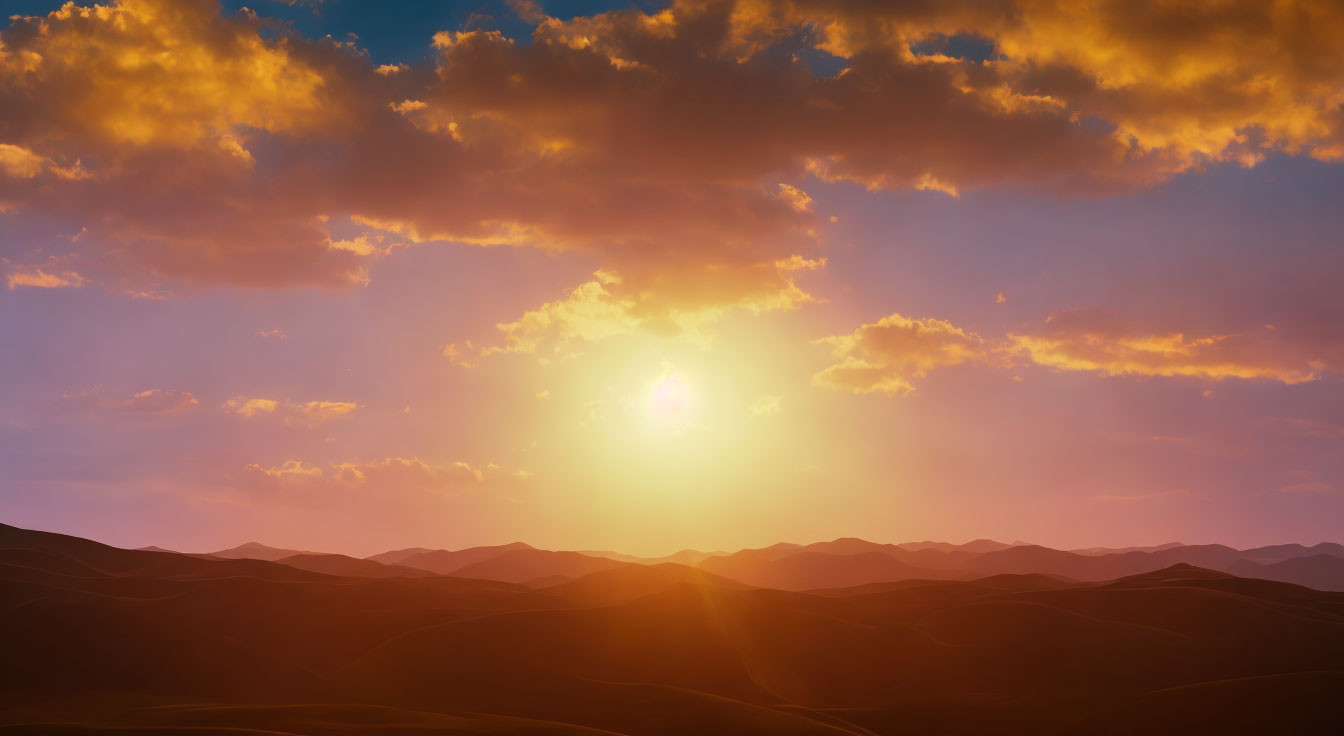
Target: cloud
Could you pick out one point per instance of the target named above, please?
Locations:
(145, 403)
(412, 473)
(888, 355)
(19, 162)
(670, 146)
(1205, 80)
(36, 277)
(603, 308)
(390, 474)
(589, 312)
(290, 470)
(313, 413)
(1313, 487)
(251, 407)
(308, 413)
(1096, 341)
(165, 98)
(1309, 482)
(1152, 496)
(766, 406)
(276, 333)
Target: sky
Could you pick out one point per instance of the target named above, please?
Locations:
(352, 277)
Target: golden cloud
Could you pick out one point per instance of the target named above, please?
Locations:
(888, 355)
(38, 278)
(670, 146)
(1094, 341)
(766, 406)
(290, 470)
(412, 473)
(149, 402)
(19, 162)
(390, 474)
(251, 407)
(308, 413)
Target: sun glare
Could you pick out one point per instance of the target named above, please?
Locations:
(669, 397)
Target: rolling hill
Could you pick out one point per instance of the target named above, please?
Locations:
(443, 562)
(142, 642)
(331, 564)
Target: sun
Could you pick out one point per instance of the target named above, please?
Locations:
(669, 396)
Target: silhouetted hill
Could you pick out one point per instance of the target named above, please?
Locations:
(634, 581)
(95, 639)
(810, 570)
(195, 719)
(1323, 572)
(1178, 572)
(975, 545)
(258, 551)
(930, 560)
(1094, 551)
(683, 557)
(1326, 573)
(1291, 703)
(351, 567)
(395, 556)
(522, 565)
(443, 562)
(74, 556)
(1281, 552)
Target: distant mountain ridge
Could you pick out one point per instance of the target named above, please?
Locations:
(838, 563)
(148, 642)
(258, 551)
(344, 566)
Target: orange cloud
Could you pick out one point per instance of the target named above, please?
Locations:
(766, 406)
(670, 146)
(411, 473)
(251, 407)
(19, 162)
(888, 355)
(391, 474)
(36, 277)
(149, 402)
(308, 413)
(290, 470)
(1093, 341)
